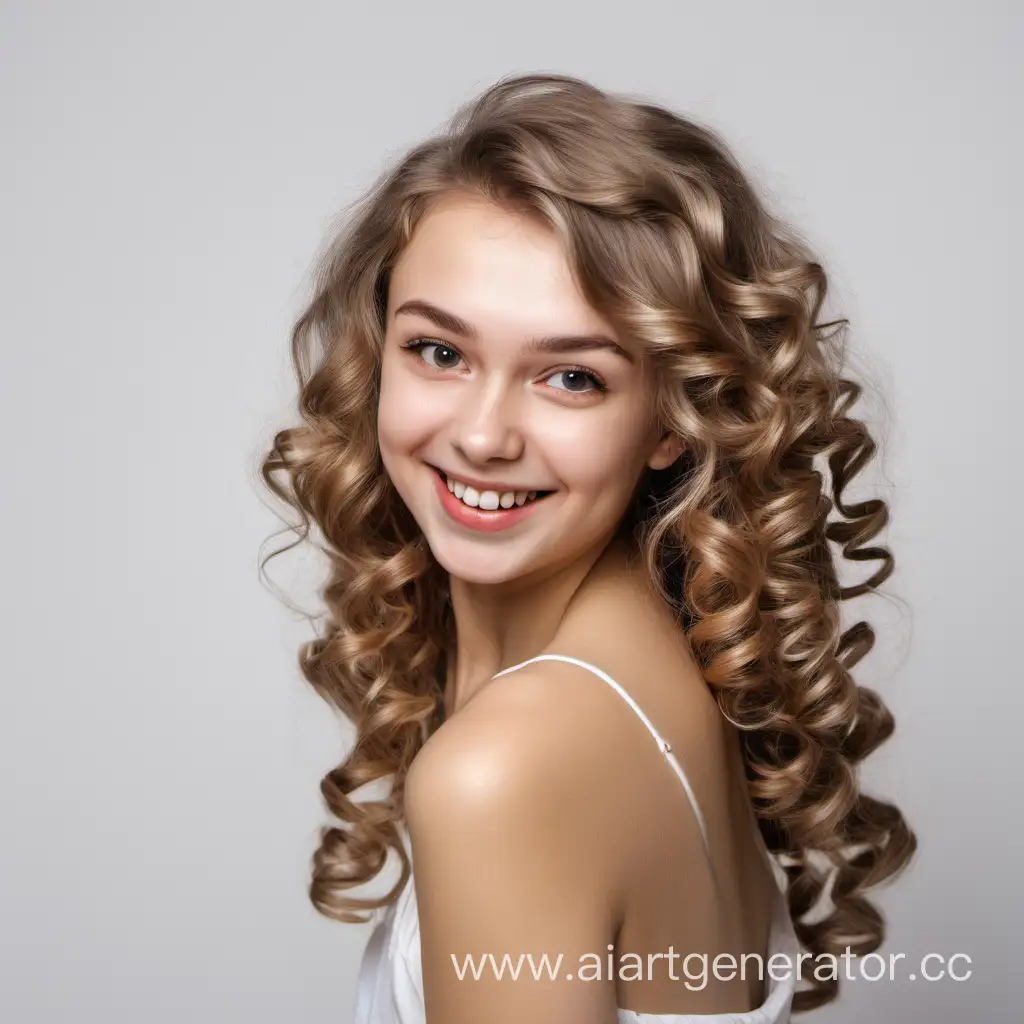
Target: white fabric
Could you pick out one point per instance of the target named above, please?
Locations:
(390, 984)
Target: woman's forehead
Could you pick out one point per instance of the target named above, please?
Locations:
(494, 269)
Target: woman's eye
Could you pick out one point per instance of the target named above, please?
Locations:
(575, 381)
(444, 358)
(439, 356)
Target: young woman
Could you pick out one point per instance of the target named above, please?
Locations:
(564, 393)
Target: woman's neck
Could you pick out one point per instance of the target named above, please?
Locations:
(496, 627)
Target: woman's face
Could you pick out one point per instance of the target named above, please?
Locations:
(498, 380)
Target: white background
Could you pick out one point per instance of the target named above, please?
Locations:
(168, 172)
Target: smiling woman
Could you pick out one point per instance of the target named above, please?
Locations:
(495, 410)
(568, 413)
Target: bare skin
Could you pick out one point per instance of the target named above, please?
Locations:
(544, 800)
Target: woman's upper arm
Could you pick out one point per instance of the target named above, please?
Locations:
(508, 870)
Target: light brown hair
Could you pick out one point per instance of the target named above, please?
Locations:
(670, 242)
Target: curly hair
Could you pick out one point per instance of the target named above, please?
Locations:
(667, 239)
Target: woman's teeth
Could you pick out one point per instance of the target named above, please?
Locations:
(488, 500)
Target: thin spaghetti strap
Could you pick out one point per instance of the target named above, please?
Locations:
(663, 745)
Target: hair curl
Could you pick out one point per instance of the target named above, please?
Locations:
(670, 242)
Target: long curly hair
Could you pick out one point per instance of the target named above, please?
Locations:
(670, 242)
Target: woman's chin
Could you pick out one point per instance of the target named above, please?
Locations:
(480, 567)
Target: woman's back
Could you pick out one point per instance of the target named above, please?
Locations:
(670, 896)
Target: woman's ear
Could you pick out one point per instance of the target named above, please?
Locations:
(667, 450)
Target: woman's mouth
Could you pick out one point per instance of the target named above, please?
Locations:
(486, 510)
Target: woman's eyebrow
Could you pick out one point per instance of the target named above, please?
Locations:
(557, 343)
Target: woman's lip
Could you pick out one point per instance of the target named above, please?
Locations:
(484, 520)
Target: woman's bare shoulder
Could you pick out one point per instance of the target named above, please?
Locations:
(522, 772)
(533, 731)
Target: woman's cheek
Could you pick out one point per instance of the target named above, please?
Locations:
(401, 423)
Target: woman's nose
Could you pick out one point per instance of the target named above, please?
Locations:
(488, 426)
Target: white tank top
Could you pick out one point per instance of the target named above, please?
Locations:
(390, 981)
